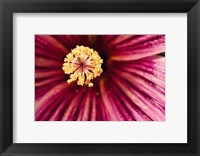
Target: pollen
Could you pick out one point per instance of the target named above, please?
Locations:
(82, 64)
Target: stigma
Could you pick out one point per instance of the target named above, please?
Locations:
(82, 64)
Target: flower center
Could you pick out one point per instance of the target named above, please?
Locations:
(82, 64)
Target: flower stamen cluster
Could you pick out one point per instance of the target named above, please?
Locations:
(82, 64)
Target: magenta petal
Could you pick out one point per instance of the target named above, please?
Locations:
(140, 99)
(107, 39)
(147, 88)
(49, 95)
(115, 40)
(70, 111)
(45, 82)
(41, 74)
(42, 53)
(47, 63)
(120, 105)
(58, 112)
(147, 48)
(47, 42)
(112, 112)
(84, 110)
(134, 112)
(59, 104)
(70, 41)
(93, 107)
(134, 40)
(151, 69)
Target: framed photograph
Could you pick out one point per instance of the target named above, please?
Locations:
(99, 77)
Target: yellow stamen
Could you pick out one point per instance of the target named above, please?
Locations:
(82, 64)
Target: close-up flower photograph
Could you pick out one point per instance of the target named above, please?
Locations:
(100, 77)
(116, 77)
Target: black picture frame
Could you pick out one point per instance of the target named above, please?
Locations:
(8, 7)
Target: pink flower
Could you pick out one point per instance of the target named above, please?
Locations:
(131, 85)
